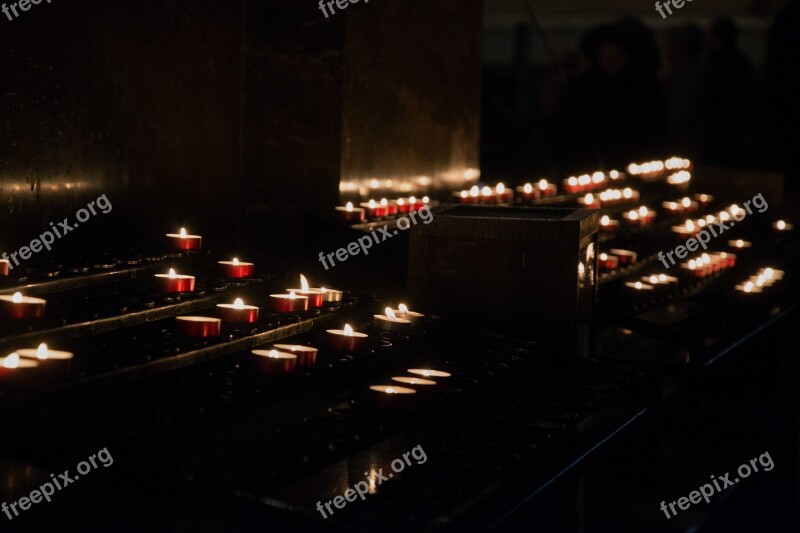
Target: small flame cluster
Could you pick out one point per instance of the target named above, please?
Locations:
(765, 277)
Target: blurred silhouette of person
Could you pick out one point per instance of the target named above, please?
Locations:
(683, 90)
(728, 96)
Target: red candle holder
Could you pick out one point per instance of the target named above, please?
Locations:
(607, 262)
(5, 267)
(570, 185)
(392, 397)
(237, 312)
(316, 297)
(198, 326)
(306, 355)
(236, 269)
(547, 189)
(529, 192)
(288, 303)
(391, 208)
(354, 215)
(346, 340)
(402, 205)
(21, 307)
(607, 225)
(173, 282)
(274, 362)
(626, 257)
(184, 241)
(374, 210)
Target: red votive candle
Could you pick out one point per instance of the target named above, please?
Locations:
(236, 269)
(346, 340)
(607, 225)
(570, 185)
(391, 208)
(21, 307)
(403, 206)
(184, 241)
(306, 355)
(546, 189)
(288, 303)
(528, 192)
(173, 282)
(354, 215)
(392, 396)
(5, 267)
(15, 370)
(274, 362)
(626, 257)
(198, 326)
(607, 262)
(237, 312)
(316, 298)
(375, 210)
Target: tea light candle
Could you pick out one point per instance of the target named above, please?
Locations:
(236, 269)
(346, 340)
(740, 244)
(184, 241)
(389, 322)
(503, 192)
(403, 312)
(685, 231)
(626, 257)
(374, 210)
(639, 286)
(21, 307)
(689, 205)
(749, 288)
(782, 225)
(391, 209)
(5, 267)
(306, 355)
(53, 360)
(607, 225)
(589, 201)
(403, 206)
(173, 282)
(428, 373)
(351, 214)
(288, 303)
(237, 312)
(425, 387)
(607, 262)
(198, 326)
(392, 396)
(704, 199)
(729, 259)
(315, 296)
(546, 188)
(16, 370)
(274, 362)
(673, 208)
(528, 192)
(660, 279)
(570, 185)
(331, 295)
(693, 269)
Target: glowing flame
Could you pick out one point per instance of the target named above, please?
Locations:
(689, 225)
(238, 303)
(760, 280)
(388, 311)
(274, 354)
(464, 194)
(348, 331)
(748, 287)
(183, 233)
(739, 243)
(627, 192)
(390, 390)
(638, 285)
(12, 361)
(474, 191)
(17, 298)
(633, 215)
(425, 200)
(292, 295)
(662, 277)
(573, 181)
(486, 191)
(643, 211)
(692, 264)
(412, 200)
(724, 216)
(589, 198)
(604, 220)
(781, 225)
(172, 273)
(349, 206)
(706, 259)
(653, 279)
(384, 201)
(527, 188)
(543, 184)
(686, 202)
(500, 188)
(372, 204)
(603, 257)
(42, 352)
(403, 309)
(401, 202)
(768, 272)
(235, 261)
(303, 283)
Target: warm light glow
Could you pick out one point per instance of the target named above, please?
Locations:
(238, 303)
(627, 192)
(403, 308)
(690, 225)
(543, 184)
(372, 204)
(603, 257)
(760, 280)
(17, 298)
(653, 279)
(734, 209)
(604, 220)
(572, 181)
(183, 233)
(614, 174)
(692, 264)
(588, 199)
(486, 191)
(303, 283)
(748, 287)
(474, 191)
(781, 225)
(274, 354)
(464, 194)
(598, 177)
(425, 199)
(739, 243)
(724, 216)
(390, 390)
(348, 331)
(235, 261)
(388, 311)
(768, 272)
(500, 188)
(633, 215)
(638, 285)
(412, 200)
(584, 179)
(384, 201)
(172, 274)
(292, 295)
(401, 202)
(12, 361)
(643, 211)
(42, 352)
(527, 188)
(706, 259)
(349, 206)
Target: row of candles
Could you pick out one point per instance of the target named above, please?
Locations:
(765, 277)
(377, 210)
(23, 364)
(657, 168)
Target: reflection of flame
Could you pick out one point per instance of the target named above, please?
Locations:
(172, 273)
(183, 233)
(41, 351)
(390, 313)
(17, 298)
(12, 361)
(238, 303)
(348, 331)
(235, 261)
(403, 308)
(349, 206)
(303, 283)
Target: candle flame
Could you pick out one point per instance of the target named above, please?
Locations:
(543, 184)
(686, 202)
(390, 313)
(464, 194)
(292, 295)
(500, 188)
(768, 272)
(425, 199)
(235, 261)
(303, 283)
(692, 264)
(12, 361)
(17, 298)
(638, 285)
(486, 191)
(739, 243)
(372, 204)
(348, 331)
(643, 211)
(172, 273)
(474, 191)
(349, 206)
(390, 390)
(42, 352)
(572, 181)
(604, 220)
(748, 287)
(603, 256)
(183, 233)
(426, 373)
(689, 225)
(400, 201)
(760, 280)
(412, 200)
(653, 279)
(403, 308)
(589, 198)
(384, 201)
(662, 277)
(627, 192)
(706, 259)
(781, 225)
(238, 303)
(527, 188)
(274, 354)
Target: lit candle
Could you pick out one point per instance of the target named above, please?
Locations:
(426, 388)
(730, 259)
(315, 296)
(740, 244)
(392, 396)
(403, 206)
(626, 257)
(607, 262)
(173, 282)
(749, 288)
(346, 340)
(51, 359)
(673, 208)
(350, 213)
(607, 225)
(403, 312)
(236, 269)
(331, 295)
(546, 189)
(375, 210)
(694, 269)
(5, 267)
(391, 209)
(528, 192)
(306, 355)
(15, 370)
(782, 225)
(198, 326)
(704, 199)
(21, 307)
(570, 185)
(390, 322)
(237, 312)
(589, 201)
(504, 193)
(184, 241)
(660, 280)
(429, 373)
(639, 286)
(288, 303)
(274, 362)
